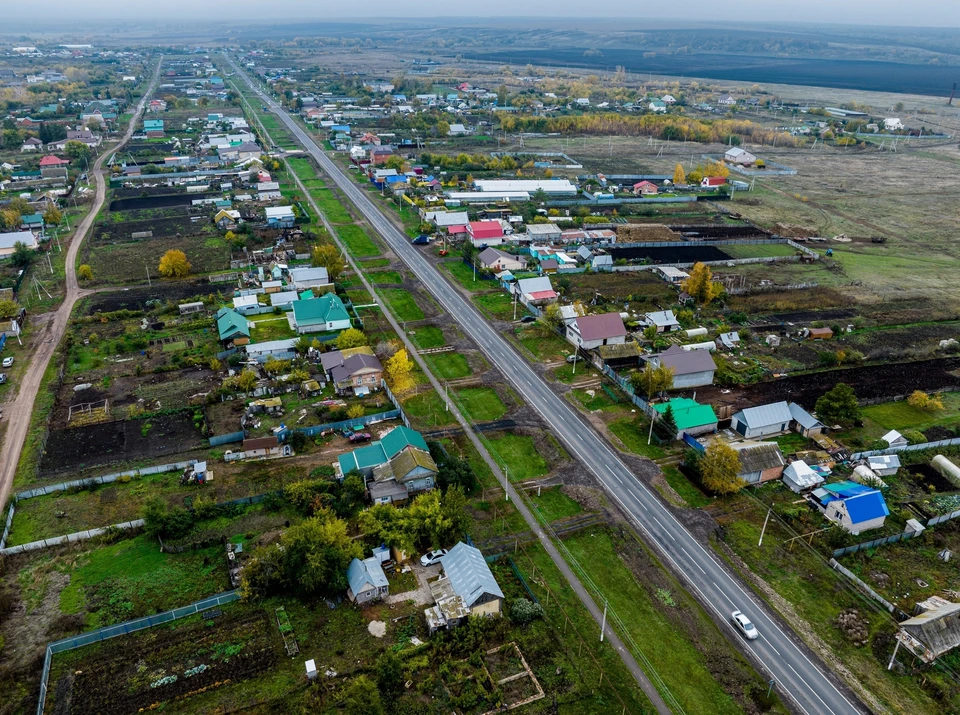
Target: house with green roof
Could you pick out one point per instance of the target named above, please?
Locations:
(153, 127)
(690, 416)
(320, 315)
(232, 327)
(394, 468)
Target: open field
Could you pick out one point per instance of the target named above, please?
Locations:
(480, 404)
(402, 304)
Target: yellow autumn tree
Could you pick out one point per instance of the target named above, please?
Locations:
(679, 176)
(398, 373)
(85, 272)
(174, 264)
(701, 285)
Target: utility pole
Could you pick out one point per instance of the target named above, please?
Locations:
(506, 478)
(764, 528)
(603, 626)
(147, 269)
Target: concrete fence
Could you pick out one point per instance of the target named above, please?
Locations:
(122, 629)
(863, 586)
(873, 544)
(908, 448)
(69, 538)
(6, 528)
(103, 479)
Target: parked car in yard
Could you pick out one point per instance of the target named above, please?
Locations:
(743, 623)
(3, 377)
(359, 437)
(432, 557)
(8, 362)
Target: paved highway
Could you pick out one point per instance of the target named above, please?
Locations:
(785, 661)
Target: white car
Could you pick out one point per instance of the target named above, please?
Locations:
(8, 362)
(432, 557)
(741, 621)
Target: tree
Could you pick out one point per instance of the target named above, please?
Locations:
(9, 308)
(355, 412)
(679, 177)
(922, 401)
(443, 128)
(22, 255)
(11, 138)
(316, 553)
(361, 697)
(666, 425)
(327, 256)
(174, 264)
(350, 338)
(652, 380)
(720, 468)
(77, 151)
(246, 381)
(695, 177)
(389, 673)
(85, 272)
(701, 285)
(456, 472)
(385, 524)
(52, 216)
(838, 406)
(162, 520)
(398, 373)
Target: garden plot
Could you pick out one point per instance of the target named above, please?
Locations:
(123, 231)
(130, 262)
(140, 203)
(137, 298)
(169, 664)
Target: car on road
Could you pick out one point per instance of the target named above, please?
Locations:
(744, 625)
(528, 319)
(432, 557)
(8, 362)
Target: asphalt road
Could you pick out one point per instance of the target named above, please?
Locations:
(21, 411)
(778, 651)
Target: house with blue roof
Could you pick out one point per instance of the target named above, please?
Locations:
(855, 507)
(367, 581)
(397, 466)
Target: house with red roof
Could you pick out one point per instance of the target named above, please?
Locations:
(535, 291)
(592, 331)
(645, 188)
(712, 182)
(51, 160)
(485, 233)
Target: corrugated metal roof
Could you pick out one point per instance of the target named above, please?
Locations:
(469, 574)
(776, 413)
(363, 573)
(802, 417)
(758, 457)
(601, 327)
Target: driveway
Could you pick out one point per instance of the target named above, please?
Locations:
(420, 595)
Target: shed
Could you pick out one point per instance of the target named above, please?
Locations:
(884, 465)
(367, 581)
(934, 632)
(759, 461)
(820, 333)
(895, 439)
(799, 477)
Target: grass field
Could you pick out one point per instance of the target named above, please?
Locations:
(402, 304)
(519, 453)
(880, 419)
(448, 366)
(481, 404)
(427, 410)
(547, 347)
(357, 241)
(385, 277)
(129, 262)
(374, 262)
(633, 433)
(271, 327)
(499, 306)
(553, 504)
(427, 337)
(463, 275)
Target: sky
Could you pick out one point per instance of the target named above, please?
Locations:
(930, 13)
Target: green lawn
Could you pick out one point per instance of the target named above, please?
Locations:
(375, 262)
(545, 347)
(402, 304)
(132, 578)
(481, 404)
(600, 400)
(880, 419)
(427, 411)
(687, 490)
(568, 372)
(427, 337)
(448, 366)
(553, 504)
(385, 277)
(676, 659)
(499, 306)
(463, 275)
(272, 328)
(519, 453)
(357, 241)
(633, 433)
(791, 442)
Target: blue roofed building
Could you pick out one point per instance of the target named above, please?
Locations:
(367, 581)
(855, 507)
(231, 326)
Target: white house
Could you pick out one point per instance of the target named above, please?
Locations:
(592, 331)
(893, 124)
(738, 155)
(663, 320)
(895, 439)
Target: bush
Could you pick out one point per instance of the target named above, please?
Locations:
(524, 611)
(298, 440)
(914, 436)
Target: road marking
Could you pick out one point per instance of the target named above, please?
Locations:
(694, 562)
(770, 644)
(723, 594)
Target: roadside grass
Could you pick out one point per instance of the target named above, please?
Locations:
(402, 304)
(519, 453)
(633, 433)
(498, 305)
(687, 490)
(548, 347)
(553, 504)
(600, 401)
(374, 262)
(385, 277)
(818, 595)
(427, 410)
(359, 296)
(42, 407)
(481, 404)
(133, 578)
(448, 366)
(357, 241)
(427, 337)
(569, 373)
(463, 276)
(675, 658)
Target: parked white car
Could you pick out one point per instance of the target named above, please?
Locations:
(8, 362)
(432, 557)
(743, 623)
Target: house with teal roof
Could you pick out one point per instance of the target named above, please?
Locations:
(690, 416)
(232, 327)
(320, 315)
(393, 468)
(153, 127)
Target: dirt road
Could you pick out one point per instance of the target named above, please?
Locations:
(46, 340)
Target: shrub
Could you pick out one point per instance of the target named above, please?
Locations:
(524, 611)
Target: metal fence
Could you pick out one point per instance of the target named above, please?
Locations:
(628, 388)
(69, 538)
(314, 430)
(908, 448)
(103, 479)
(873, 544)
(219, 439)
(943, 517)
(122, 629)
(6, 528)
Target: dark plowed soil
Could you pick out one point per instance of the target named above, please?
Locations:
(671, 254)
